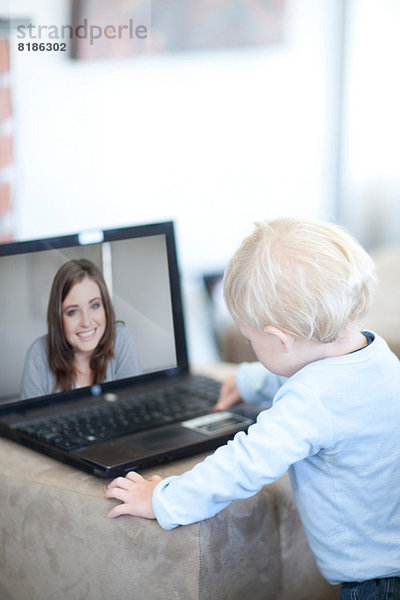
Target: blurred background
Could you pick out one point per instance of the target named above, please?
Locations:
(225, 113)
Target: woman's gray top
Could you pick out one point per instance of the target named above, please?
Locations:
(38, 379)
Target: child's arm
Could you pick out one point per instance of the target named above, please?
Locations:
(229, 394)
(297, 426)
(252, 383)
(136, 494)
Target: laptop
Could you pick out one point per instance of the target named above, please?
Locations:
(148, 407)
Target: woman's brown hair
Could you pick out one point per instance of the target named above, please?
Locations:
(61, 354)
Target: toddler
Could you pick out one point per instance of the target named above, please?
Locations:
(297, 290)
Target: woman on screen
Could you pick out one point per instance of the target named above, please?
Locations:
(84, 345)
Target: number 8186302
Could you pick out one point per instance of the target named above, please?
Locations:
(42, 46)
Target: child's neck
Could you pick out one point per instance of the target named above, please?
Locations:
(345, 344)
(308, 351)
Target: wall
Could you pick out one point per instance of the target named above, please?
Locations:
(212, 140)
(371, 144)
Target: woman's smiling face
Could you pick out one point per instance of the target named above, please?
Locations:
(84, 318)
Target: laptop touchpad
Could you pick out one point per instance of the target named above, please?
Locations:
(138, 446)
(169, 437)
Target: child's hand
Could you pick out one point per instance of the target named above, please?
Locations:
(229, 394)
(135, 492)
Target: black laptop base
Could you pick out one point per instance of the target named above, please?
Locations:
(194, 428)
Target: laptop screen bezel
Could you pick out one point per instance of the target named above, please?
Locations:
(111, 235)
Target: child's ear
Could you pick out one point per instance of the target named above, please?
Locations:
(287, 339)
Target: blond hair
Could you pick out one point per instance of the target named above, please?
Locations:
(308, 278)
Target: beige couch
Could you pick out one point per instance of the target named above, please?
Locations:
(56, 542)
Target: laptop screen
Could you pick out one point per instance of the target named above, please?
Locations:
(111, 298)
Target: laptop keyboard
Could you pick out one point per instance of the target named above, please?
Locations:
(126, 416)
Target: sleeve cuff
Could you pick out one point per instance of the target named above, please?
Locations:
(160, 512)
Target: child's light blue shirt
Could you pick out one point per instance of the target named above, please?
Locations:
(335, 425)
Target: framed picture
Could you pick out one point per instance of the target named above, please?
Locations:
(121, 28)
(110, 28)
